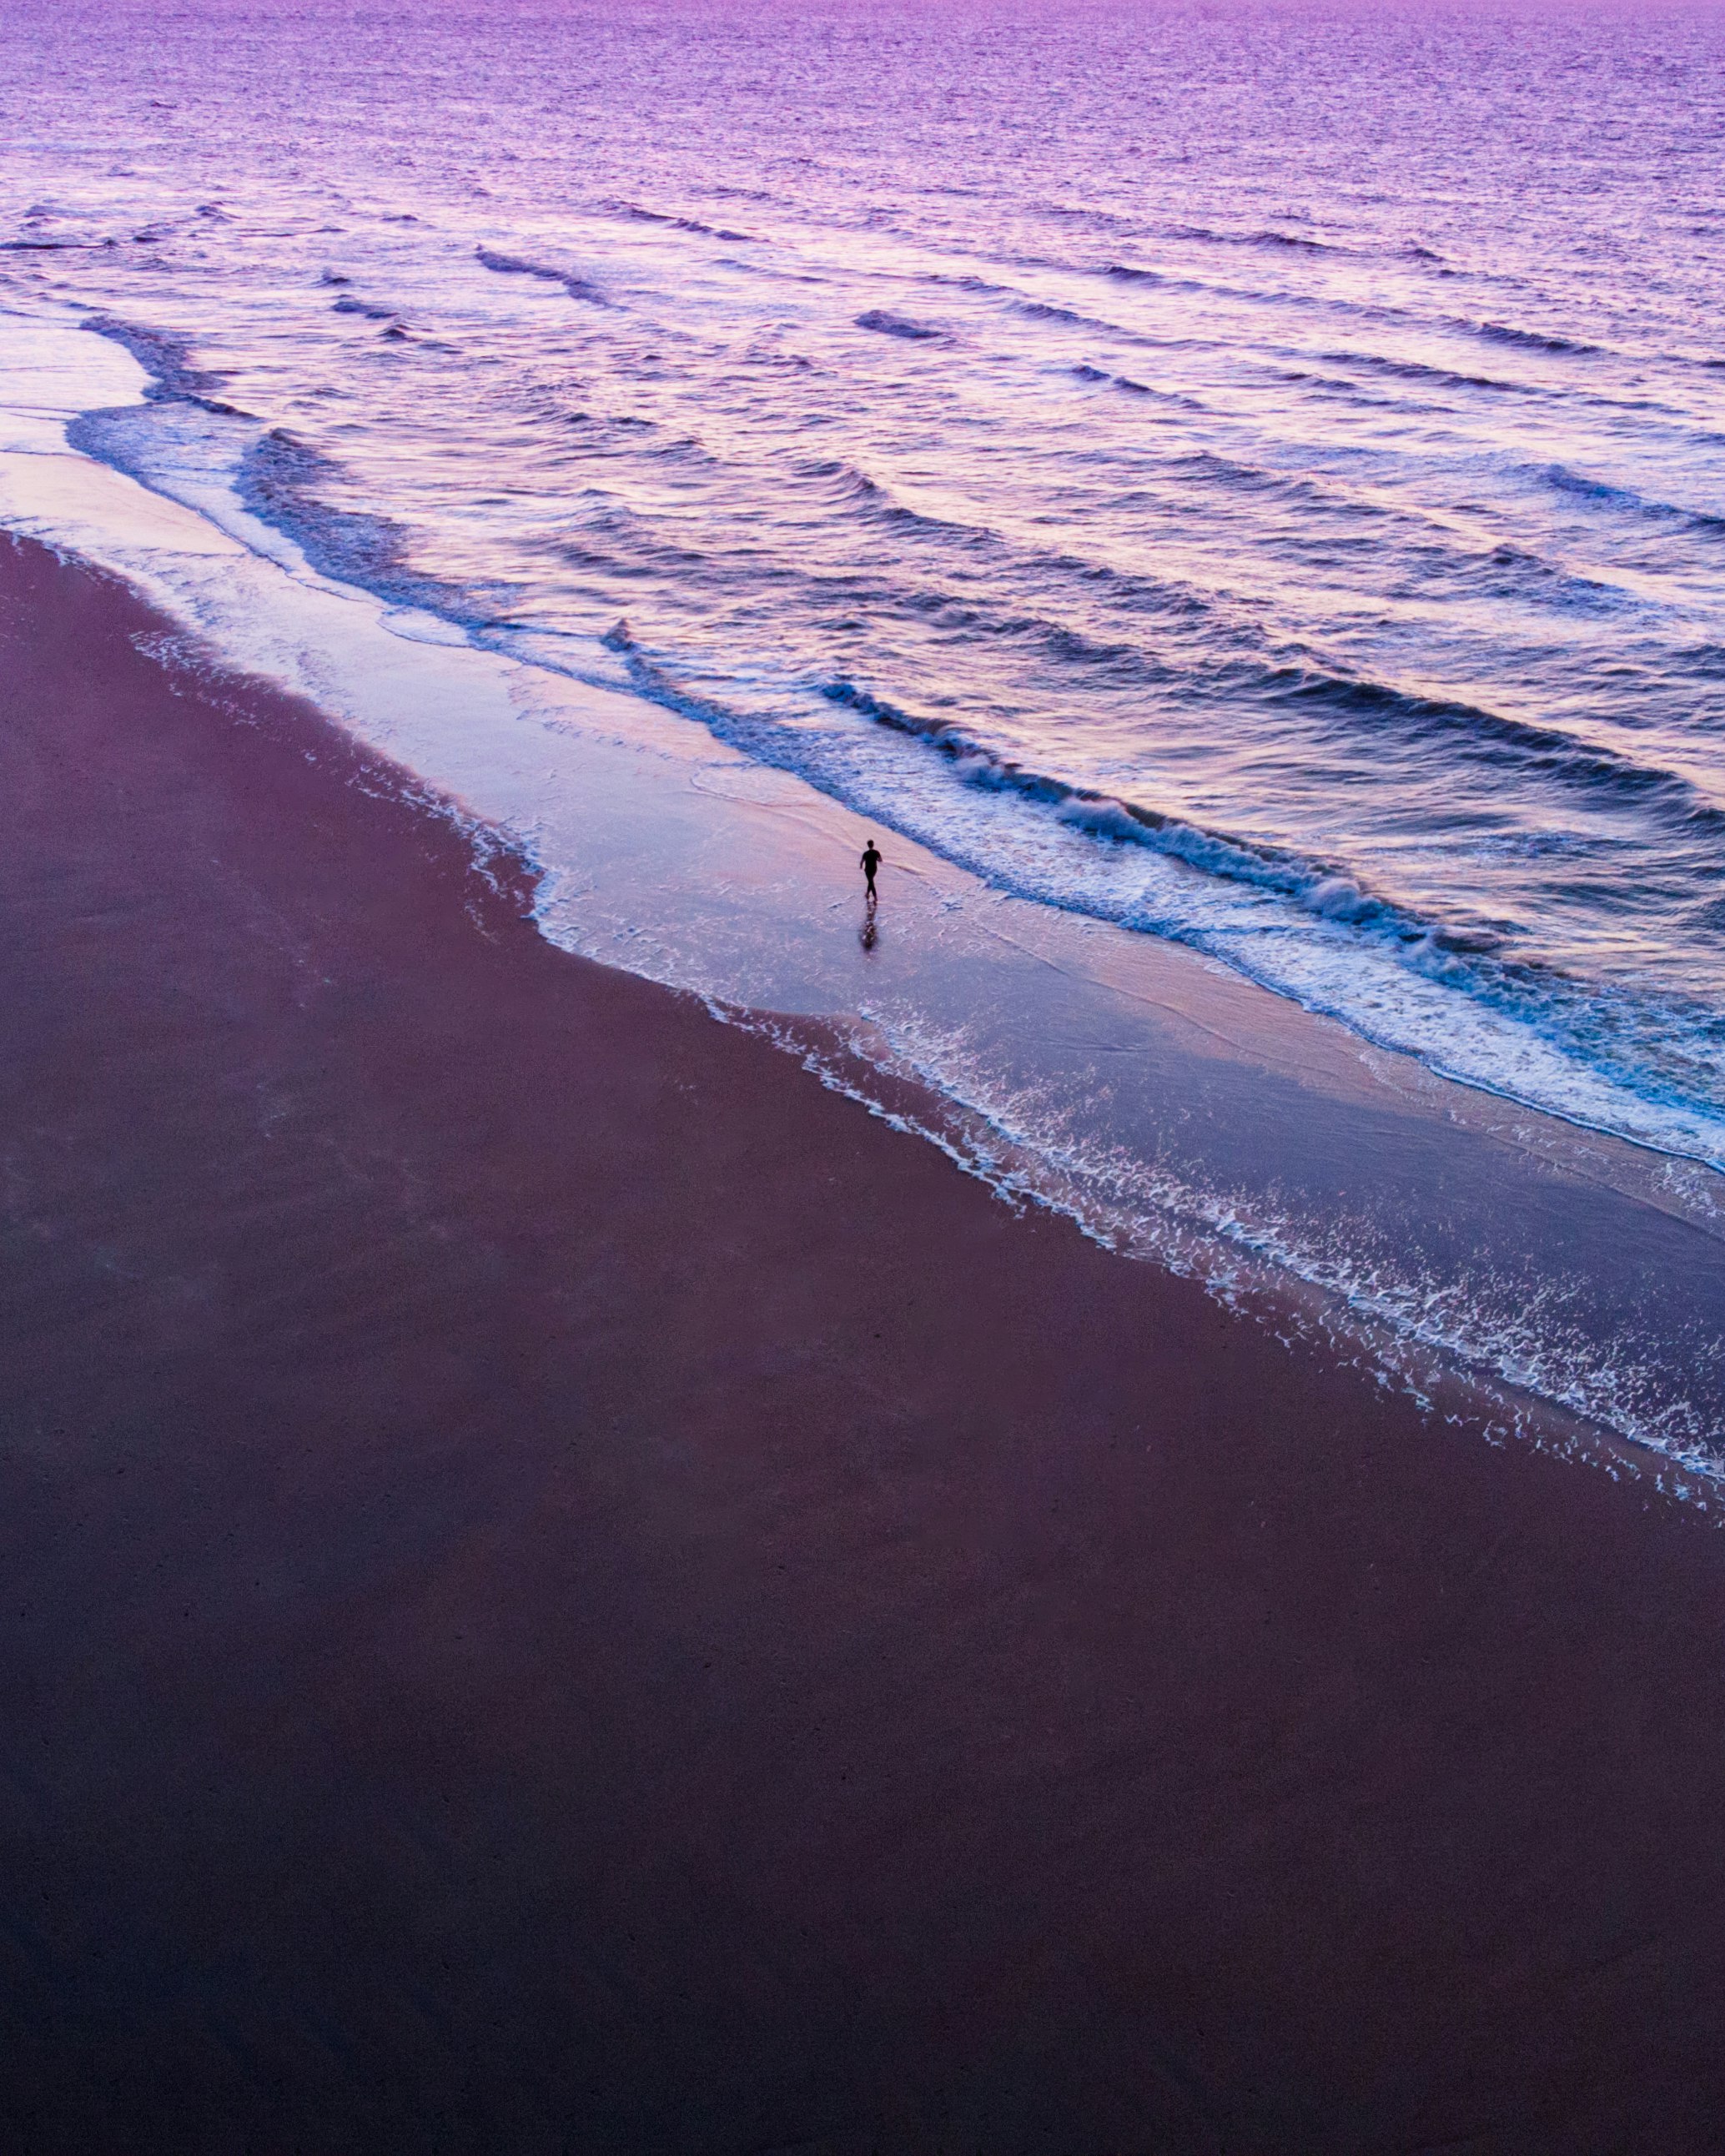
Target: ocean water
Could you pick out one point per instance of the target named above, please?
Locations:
(1251, 476)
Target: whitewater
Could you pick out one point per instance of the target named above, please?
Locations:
(1253, 480)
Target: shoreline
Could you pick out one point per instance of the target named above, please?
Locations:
(574, 1588)
(1168, 1104)
(1526, 1059)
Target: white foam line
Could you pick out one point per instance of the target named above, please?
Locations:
(1188, 1232)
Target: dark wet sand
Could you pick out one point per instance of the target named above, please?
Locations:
(565, 1589)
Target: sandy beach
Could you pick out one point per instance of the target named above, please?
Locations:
(569, 1589)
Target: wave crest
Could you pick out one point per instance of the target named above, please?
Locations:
(517, 265)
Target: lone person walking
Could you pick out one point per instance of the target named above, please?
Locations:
(870, 862)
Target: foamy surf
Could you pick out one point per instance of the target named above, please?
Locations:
(1648, 1067)
(1084, 1064)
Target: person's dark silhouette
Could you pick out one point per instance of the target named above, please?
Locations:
(870, 862)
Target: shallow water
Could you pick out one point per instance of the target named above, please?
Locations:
(1256, 480)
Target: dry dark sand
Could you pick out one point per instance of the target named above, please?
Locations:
(566, 1590)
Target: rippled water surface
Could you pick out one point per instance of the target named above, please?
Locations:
(1256, 474)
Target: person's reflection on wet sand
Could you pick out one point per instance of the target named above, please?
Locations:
(870, 862)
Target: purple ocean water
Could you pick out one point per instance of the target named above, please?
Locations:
(1252, 476)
